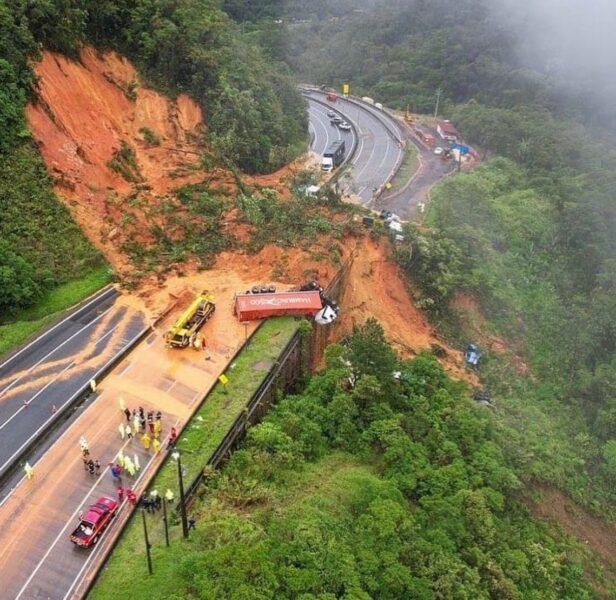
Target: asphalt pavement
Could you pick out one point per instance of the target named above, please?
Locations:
(378, 146)
(409, 201)
(37, 559)
(41, 381)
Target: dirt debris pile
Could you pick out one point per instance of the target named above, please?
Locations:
(115, 148)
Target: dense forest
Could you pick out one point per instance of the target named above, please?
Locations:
(387, 487)
(390, 487)
(255, 117)
(530, 235)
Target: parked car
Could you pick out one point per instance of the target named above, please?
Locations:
(344, 126)
(438, 151)
(94, 522)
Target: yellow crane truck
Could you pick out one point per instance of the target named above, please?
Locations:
(185, 329)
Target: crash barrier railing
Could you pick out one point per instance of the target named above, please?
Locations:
(288, 368)
(347, 161)
(65, 412)
(72, 313)
(388, 122)
(281, 377)
(113, 537)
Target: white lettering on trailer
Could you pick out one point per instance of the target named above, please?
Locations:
(277, 301)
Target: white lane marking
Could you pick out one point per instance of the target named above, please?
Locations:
(23, 407)
(385, 156)
(70, 520)
(38, 339)
(68, 402)
(318, 113)
(8, 387)
(77, 577)
(72, 364)
(312, 131)
(358, 175)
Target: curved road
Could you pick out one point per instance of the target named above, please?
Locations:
(381, 139)
(378, 153)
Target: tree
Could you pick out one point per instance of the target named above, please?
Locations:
(369, 353)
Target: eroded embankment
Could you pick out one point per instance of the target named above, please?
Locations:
(111, 143)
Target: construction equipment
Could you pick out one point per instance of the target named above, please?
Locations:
(184, 330)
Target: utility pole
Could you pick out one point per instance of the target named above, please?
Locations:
(166, 521)
(147, 541)
(177, 457)
(439, 91)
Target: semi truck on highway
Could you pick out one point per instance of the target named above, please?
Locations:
(185, 329)
(333, 156)
(94, 522)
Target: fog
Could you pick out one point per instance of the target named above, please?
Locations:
(571, 40)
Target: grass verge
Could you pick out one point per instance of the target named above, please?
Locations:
(127, 567)
(30, 320)
(409, 166)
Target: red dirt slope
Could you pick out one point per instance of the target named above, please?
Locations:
(85, 111)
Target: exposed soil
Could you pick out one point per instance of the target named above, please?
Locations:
(280, 180)
(85, 112)
(556, 507)
(88, 109)
(377, 288)
(474, 322)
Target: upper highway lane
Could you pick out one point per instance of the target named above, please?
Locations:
(46, 376)
(322, 132)
(379, 148)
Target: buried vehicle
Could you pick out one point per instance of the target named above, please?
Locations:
(94, 522)
(472, 355)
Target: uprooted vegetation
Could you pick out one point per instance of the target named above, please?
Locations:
(139, 178)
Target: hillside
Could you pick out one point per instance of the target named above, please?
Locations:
(255, 120)
(165, 138)
(115, 157)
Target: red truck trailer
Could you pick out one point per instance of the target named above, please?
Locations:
(94, 522)
(249, 307)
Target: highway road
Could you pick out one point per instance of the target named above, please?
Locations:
(379, 151)
(379, 148)
(37, 559)
(406, 201)
(41, 381)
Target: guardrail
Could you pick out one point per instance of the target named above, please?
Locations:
(339, 172)
(71, 313)
(63, 414)
(256, 408)
(288, 369)
(388, 122)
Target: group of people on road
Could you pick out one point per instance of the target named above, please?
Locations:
(93, 467)
(149, 425)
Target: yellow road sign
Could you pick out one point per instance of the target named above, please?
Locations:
(345, 89)
(223, 379)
